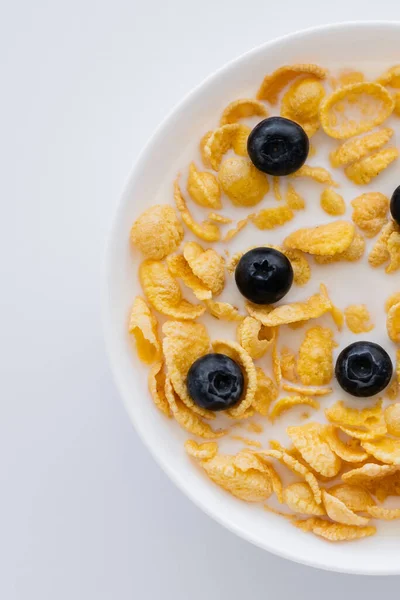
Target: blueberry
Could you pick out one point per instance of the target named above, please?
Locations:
(395, 205)
(215, 381)
(363, 369)
(278, 146)
(264, 275)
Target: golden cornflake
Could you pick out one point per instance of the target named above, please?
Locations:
(315, 362)
(346, 451)
(353, 253)
(218, 218)
(366, 169)
(288, 366)
(324, 240)
(242, 109)
(266, 393)
(368, 473)
(355, 109)
(355, 497)
(293, 199)
(306, 391)
(339, 512)
(379, 253)
(385, 514)
(285, 404)
(157, 232)
(393, 323)
(318, 174)
(254, 337)
(332, 203)
(370, 212)
(392, 300)
(349, 76)
(186, 418)
(156, 384)
(301, 103)
(143, 326)
(179, 268)
(365, 419)
(203, 143)
(273, 84)
(207, 265)
(309, 440)
(393, 248)
(276, 184)
(392, 418)
(391, 77)
(269, 218)
(314, 307)
(201, 451)
(203, 188)
(334, 532)
(300, 499)
(163, 292)
(358, 318)
(207, 231)
(356, 149)
(223, 311)
(386, 450)
(223, 139)
(242, 182)
(235, 230)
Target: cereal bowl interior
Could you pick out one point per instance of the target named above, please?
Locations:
(370, 48)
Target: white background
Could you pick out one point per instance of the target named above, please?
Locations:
(85, 513)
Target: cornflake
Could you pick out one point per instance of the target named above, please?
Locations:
(207, 231)
(386, 450)
(391, 77)
(270, 218)
(324, 240)
(306, 391)
(156, 384)
(392, 418)
(203, 143)
(392, 300)
(285, 404)
(365, 419)
(334, 532)
(293, 199)
(332, 203)
(358, 318)
(143, 326)
(379, 253)
(266, 393)
(300, 499)
(339, 512)
(164, 293)
(355, 149)
(235, 230)
(201, 451)
(318, 174)
(223, 311)
(393, 248)
(288, 366)
(355, 497)
(309, 440)
(254, 337)
(207, 265)
(223, 139)
(315, 362)
(242, 109)
(276, 184)
(203, 188)
(314, 307)
(157, 232)
(393, 323)
(346, 451)
(370, 212)
(273, 84)
(373, 102)
(180, 269)
(301, 103)
(353, 253)
(366, 169)
(242, 182)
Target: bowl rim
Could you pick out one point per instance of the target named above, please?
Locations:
(107, 266)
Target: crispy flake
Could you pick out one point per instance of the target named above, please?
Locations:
(300, 499)
(334, 532)
(387, 450)
(379, 253)
(306, 391)
(339, 512)
(355, 497)
(371, 102)
(346, 451)
(370, 212)
(385, 514)
(266, 393)
(324, 240)
(315, 362)
(223, 139)
(366, 169)
(203, 188)
(203, 143)
(392, 418)
(285, 404)
(293, 199)
(235, 230)
(144, 327)
(365, 419)
(270, 218)
(318, 174)
(391, 77)
(156, 384)
(355, 149)
(223, 311)
(207, 265)
(309, 440)
(254, 337)
(242, 182)
(163, 292)
(368, 473)
(301, 103)
(201, 451)
(353, 253)
(393, 323)
(157, 232)
(179, 268)
(358, 319)
(242, 109)
(288, 367)
(332, 203)
(276, 184)
(393, 248)
(218, 218)
(273, 84)
(207, 231)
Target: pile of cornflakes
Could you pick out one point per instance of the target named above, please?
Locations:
(339, 463)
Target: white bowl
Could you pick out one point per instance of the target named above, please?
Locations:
(168, 150)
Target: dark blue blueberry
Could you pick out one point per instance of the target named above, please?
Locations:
(264, 275)
(395, 205)
(215, 382)
(278, 146)
(363, 369)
